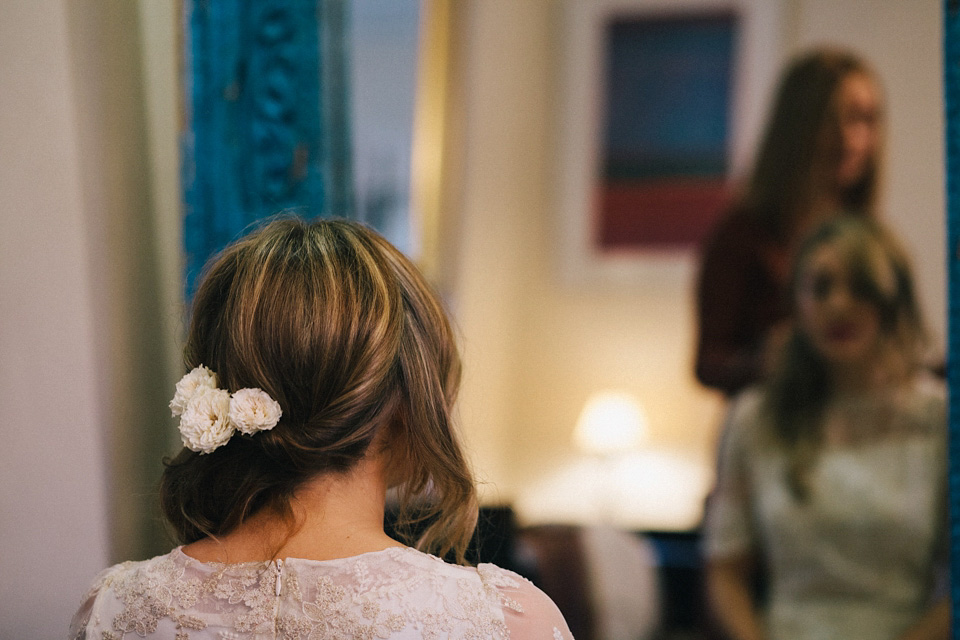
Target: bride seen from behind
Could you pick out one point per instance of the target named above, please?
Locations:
(323, 372)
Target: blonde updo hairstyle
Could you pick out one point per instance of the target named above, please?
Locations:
(345, 334)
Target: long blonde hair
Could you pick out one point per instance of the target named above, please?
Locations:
(799, 389)
(343, 331)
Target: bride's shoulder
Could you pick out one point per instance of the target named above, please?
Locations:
(132, 570)
(929, 387)
(528, 612)
(925, 404)
(114, 580)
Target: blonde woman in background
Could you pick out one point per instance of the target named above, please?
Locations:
(832, 477)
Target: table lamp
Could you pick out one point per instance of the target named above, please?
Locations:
(612, 422)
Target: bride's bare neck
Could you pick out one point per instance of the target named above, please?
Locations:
(337, 516)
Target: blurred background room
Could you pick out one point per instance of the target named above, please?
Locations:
(472, 130)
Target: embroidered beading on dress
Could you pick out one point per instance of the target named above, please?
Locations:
(386, 595)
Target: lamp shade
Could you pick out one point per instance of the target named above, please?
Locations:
(611, 422)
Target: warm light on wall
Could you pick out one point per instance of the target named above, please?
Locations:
(621, 479)
(611, 422)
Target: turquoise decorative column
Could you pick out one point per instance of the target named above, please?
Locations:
(267, 120)
(951, 65)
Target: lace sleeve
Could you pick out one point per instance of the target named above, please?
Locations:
(78, 626)
(527, 611)
(728, 523)
(81, 619)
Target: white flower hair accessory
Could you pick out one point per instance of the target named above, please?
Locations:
(209, 416)
(253, 410)
(199, 378)
(205, 425)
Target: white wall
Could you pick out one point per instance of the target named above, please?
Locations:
(53, 500)
(89, 294)
(137, 307)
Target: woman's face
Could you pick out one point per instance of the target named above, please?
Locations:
(858, 111)
(842, 325)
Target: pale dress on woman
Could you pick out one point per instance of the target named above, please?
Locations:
(865, 554)
(398, 593)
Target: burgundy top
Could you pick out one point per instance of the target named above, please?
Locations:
(741, 294)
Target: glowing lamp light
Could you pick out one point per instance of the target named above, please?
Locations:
(611, 422)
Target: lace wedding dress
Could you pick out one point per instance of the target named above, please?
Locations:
(396, 594)
(866, 554)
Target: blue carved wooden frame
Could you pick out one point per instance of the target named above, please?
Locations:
(267, 124)
(952, 93)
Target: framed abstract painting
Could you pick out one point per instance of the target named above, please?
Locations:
(662, 179)
(659, 103)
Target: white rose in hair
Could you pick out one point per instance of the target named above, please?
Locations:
(199, 378)
(253, 410)
(205, 423)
